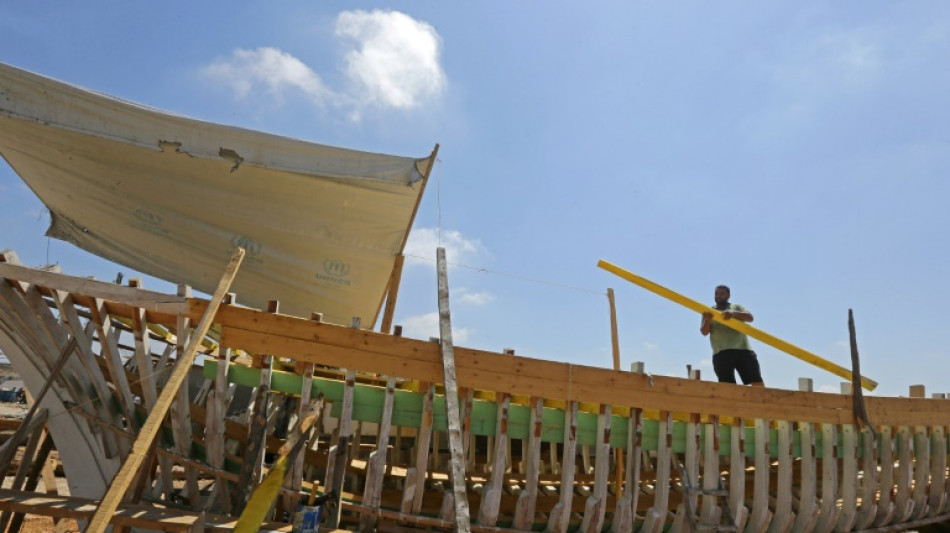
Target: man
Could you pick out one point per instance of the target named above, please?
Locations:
(731, 351)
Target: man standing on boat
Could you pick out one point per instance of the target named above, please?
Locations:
(731, 351)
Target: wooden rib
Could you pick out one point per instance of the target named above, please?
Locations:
(849, 478)
(376, 469)
(710, 511)
(560, 515)
(760, 515)
(110, 353)
(339, 457)
(655, 518)
(595, 507)
(491, 496)
(784, 516)
(295, 479)
(938, 472)
(180, 414)
(885, 506)
(625, 513)
(214, 431)
(903, 501)
(528, 499)
(253, 446)
(921, 471)
(146, 382)
(691, 464)
(807, 516)
(828, 514)
(737, 461)
(869, 485)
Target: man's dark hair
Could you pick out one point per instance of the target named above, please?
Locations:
(728, 292)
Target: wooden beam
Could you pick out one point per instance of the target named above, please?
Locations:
(614, 338)
(462, 519)
(125, 476)
(392, 293)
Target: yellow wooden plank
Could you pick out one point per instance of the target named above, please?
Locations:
(741, 327)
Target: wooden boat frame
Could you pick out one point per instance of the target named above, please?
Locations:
(547, 446)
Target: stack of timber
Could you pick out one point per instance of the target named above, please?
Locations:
(546, 446)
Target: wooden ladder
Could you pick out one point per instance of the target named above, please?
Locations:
(720, 493)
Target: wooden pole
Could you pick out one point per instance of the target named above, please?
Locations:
(857, 395)
(614, 338)
(125, 476)
(462, 519)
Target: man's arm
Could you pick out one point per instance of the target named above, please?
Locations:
(706, 324)
(740, 315)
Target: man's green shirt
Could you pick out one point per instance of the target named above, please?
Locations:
(722, 337)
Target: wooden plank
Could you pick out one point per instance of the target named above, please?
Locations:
(524, 376)
(38, 467)
(784, 516)
(460, 500)
(560, 516)
(154, 301)
(491, 495)
(828, 511)
(528, 499)
(214, 432)
(149, 430)
(867, 510)
(110, 353)
(741, 327)
(26, 462)
(376, 468)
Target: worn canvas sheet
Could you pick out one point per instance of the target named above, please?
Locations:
(171, 197)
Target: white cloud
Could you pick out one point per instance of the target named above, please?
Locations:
(420, 248)
(268, 70)
(395, 60)
(473, 298)
(829, 389)
(391, 61)
(427, 326)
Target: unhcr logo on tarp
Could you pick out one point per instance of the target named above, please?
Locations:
(252, 257)
(335, 271)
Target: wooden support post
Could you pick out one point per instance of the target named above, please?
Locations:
(560, 516)
(938, 471)
(376, 468)
(868, 482)
(808, 483)
(180, 408)
(595, 507)
(903, 502)
(849, 478)
(456, 451)
(655, 518)
(737, 462)
(295, 480)
(885, 503)
(143, 442)
(828, 513)
(625, 514)
(38, 466)
(392, 292)
(26, 461)
(710, 511)
(527, 500)
(760, 516)
(614, 337)
(491, 495)
(339, 455)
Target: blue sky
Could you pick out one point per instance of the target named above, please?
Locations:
(798, 152)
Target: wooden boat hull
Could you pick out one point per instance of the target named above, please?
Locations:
(548, 446)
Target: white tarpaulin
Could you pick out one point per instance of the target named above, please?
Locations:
(171, 197)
